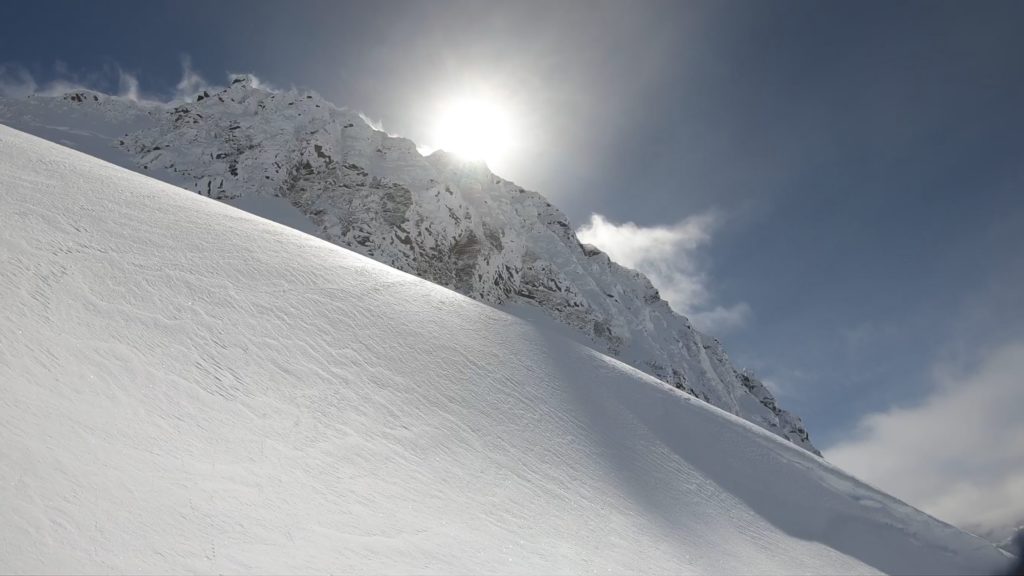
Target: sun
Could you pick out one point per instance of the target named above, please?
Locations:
(474, 128)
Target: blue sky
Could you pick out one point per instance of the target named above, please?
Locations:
(853, 172)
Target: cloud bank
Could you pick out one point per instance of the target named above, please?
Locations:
(959, 455)
(668, 255)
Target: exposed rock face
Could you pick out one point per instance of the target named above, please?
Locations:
(451, 222)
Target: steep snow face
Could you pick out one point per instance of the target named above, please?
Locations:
(185, 387)
(297, 159)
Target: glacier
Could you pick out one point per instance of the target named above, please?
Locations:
(186, 387)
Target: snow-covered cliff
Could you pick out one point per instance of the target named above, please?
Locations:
(296, 158)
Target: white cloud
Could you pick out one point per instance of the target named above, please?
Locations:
(959, 455)
(16, 82)
(722, 317)
(774, 387)
(377, 125)
(127, 85)
(668, 255)
(255, 81)
(191, 82)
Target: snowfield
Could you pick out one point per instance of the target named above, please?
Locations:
(185, 387)
(299, 160)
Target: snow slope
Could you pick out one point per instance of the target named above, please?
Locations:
(298, 160)
(185, 387)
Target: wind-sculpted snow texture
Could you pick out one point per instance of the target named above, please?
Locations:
(185, 387)
(299, 160)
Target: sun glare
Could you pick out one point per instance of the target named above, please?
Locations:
(475, 129)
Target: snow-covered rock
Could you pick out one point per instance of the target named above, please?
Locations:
(297, 159)
(187, 388)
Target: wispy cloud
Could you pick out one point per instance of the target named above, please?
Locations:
(668, 255)
(191, 82)
(16, 81)
(377, 125)
(959, 455)
(128, 85)
(721, 318)
(255, 81)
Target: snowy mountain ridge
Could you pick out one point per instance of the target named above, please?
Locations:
(188, 388)
(297, 159)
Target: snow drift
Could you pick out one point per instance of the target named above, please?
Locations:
(185, 387)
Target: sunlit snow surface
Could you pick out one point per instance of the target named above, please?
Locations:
(300, 161)
(185, 387)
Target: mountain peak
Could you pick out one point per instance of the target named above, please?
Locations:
(243, 80)
(299, 160)
(445, 160)
(189, 388)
